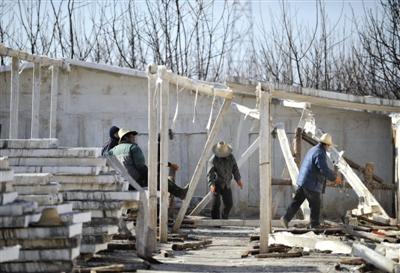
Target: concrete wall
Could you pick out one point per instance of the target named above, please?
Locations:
(91, 101)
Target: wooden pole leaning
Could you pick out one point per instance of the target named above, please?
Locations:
(152, 150)
(202, 162)
(265, 169)
(164, 116)
(35, 100)
(14, 98)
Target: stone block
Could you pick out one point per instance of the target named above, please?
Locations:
(101, 196)
(43, 255)
(19, 221)
(43, 243)
(60, 169)
(98, 230)
(33, 233)
(93, 248)
(6, 175)
(28, 143)
(8, 197)
(99, 205)
(57, 161)
(61, 208)
(52, 188)
(6, 186)
(59, 152)
(43, 199)
(18, 207)
(9, 253)
(32, 178)
(76, 217)
(4, 164)
(37, 267)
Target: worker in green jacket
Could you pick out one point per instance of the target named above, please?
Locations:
(131, 156)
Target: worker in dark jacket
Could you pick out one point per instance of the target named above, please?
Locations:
(223, 166)
(112, 142)
(312, 176)
(131, 156)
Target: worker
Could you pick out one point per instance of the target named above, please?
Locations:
(223, 166)
(112, 142)
(131, 156)
(311, 180)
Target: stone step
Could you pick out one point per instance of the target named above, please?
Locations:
(42, 143)
(18, 207)
(52, 188)
(109, 205)
(81, 179)
(43, 243)
(33, 178)
(120, 186)
(59, 152)
(37, 267)
(57, 161)
(6, 175)
(34, 233)
(44, 255)
(61, 169)
(4, 164)
(93, 248)
(76, 217)
(99, 230)
(6, 186)
(9, 253)
(44, 199)
(19, 221)
(101, 196)
(61, 208)
(8, 197)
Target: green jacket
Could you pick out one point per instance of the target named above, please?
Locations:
(131, 156)
(221, 171)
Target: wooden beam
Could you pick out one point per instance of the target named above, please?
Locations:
(35, 101)
(243, 158)
(371, 256)
(14, 99)
(202, 162)
(297, 146)
(164, 119)
(206, 88)
(396, 129)
(152, 149)
(55, 72)
(291, 165)
(265, 169)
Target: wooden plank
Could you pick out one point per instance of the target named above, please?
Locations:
(164, 116)
(55, 71)
(152, 149)
(265, 170)
(35, 100)
(243, 158)
(202, 162)
(14, 99)
(291, 165)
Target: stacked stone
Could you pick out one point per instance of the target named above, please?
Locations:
(85, 182)
(47, 244)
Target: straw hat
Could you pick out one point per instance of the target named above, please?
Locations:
(123, 132)
(221, 149)
(50, 217)
(326, 139)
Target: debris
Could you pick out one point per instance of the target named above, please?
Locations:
(191, 245)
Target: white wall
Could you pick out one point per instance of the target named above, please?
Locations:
(91, 101)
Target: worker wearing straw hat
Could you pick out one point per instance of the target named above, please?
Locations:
(223, 166)
(313, 173)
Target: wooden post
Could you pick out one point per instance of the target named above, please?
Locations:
(297, 146)
(14, 98)
(164, 116)
(152, 149)
(35, 101)
(265, 169)
(205, 154)
(396, 127)
(55, 71)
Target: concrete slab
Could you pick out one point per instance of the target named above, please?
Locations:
(9, 253)
(57, 161)
(101, 196)
(109, 205)
(77, 178)
(33, 233)
(106, 213)
(93, 248)
(60, 169)
(37, 189)
(43, 243)
(35, 267)
(59, 152)
(29, 143)
(103, 221)
(32, 178)
(6, 175)
(18, 207)
(6, 186)
(94, 186)
(4, 164)
(61, 208)
(43, 199)
(76, 217)
(49, 255)
(98, 230)
(8, 197)
(19, 221)
(96, 239)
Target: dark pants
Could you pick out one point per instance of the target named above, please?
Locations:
(226, 194)
(314, 200)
